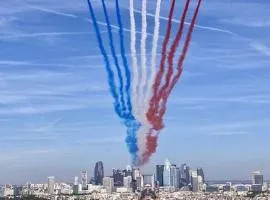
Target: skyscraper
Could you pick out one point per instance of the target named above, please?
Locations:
(200, 183)
(118, 177)
(84, 179)
(99, 173)
(127, 181)
(76, 180)
(108, 184)
(166, 173)
(51, 183)
(159, 174)
(149, 179)
(178, 176)
(139, 182)
(201, 173)
(194, 181)
(173, 176)
(135, 173)
(257, 178)
(128, 171)
(184, 175)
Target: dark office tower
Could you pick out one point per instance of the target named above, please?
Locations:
(134, 185)
(99, 173)
(128, 171)
(184, 174)
(159, 174)
(200, 173)
(118, 178)
(257, 178)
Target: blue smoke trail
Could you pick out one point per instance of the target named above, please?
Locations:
(124, 58)
(130, 122)
(109, 28)
(106, 59)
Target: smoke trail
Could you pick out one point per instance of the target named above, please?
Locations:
(142, 139)
(153, 133)
(143, 57)
(124, 58)
(144, 129)
(173, 51)
(130, 122)
(131, 139)
(152, 138)
(180, 61)
(154, 54)
(135, 80)
(116, 62)
(151, 113)
(106, 60)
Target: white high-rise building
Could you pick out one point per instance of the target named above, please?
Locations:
(51, 184)
(173, 176)
(84, 179)
(200, 183)
(149, 179)
(194, 181)
(108, 184)
(166, 173)
(127, 181)
(136, 173)
(76, 180)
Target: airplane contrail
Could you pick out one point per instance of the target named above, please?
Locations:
(134, 60)
(64, 14)
(209, 28)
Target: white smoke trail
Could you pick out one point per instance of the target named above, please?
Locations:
(142, 139)
(135, 80)
(142, 132)
(154, 55)
(143, 80)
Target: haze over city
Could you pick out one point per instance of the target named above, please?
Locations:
(56, 112)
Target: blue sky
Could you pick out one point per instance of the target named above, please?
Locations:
(56, 113)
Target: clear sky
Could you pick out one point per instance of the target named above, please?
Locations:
(56, 113)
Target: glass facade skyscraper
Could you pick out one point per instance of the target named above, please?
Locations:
(173, 176)
(201, 173)
(118, 177)
(99, 173)
(167, 174)
(159, 175)
(184, 175)
(257, 178)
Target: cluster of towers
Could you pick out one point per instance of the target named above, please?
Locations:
(170, 175)
(131, 179)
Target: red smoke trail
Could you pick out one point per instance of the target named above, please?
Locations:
(154, 116)
(173, 50)
(180, 62)
(151, 146)
(154, 101)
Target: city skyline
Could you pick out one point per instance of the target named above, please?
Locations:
(88, 175)
(56, 113)
(181, 181)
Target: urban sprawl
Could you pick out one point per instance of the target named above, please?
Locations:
(169, 182)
